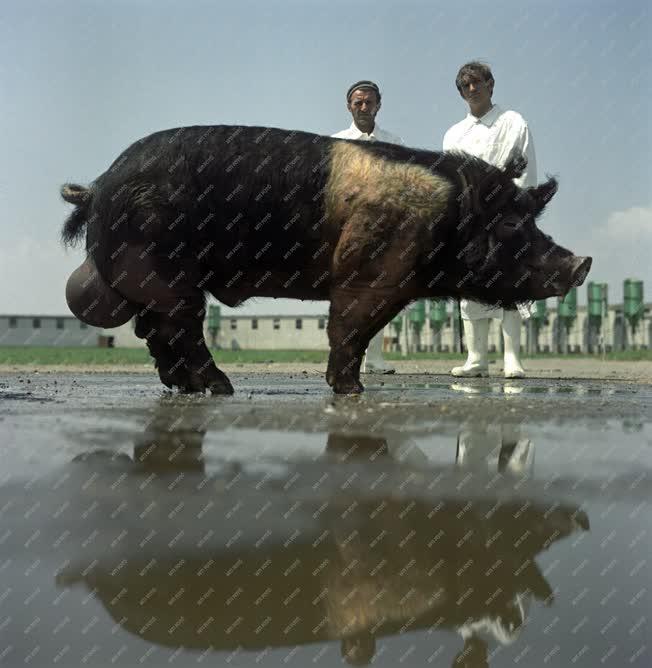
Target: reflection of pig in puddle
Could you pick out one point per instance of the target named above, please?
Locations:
(366, 566)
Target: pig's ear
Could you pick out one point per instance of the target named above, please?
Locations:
(543, 194)
(515, 165)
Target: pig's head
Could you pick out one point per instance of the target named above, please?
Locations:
(505, 257)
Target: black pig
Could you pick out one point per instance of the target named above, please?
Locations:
(239, 212)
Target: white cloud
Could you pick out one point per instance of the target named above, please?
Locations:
(633, 225)
(622, 248)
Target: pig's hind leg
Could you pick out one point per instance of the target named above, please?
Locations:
(176, 342)
(171, 321)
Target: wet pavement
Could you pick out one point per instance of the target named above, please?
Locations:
(427, 522)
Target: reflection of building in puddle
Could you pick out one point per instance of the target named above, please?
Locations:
(351, 566)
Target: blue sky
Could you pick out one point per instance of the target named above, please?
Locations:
(80, 81)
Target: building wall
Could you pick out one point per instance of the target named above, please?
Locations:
(282, 333)
(124, 336)
(269, 333)
(21, 330)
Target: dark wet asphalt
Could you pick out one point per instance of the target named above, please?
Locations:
(428, 523)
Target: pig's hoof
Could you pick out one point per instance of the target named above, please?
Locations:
(219, 383)
(192, 387)
(348, 387)
(178, 378)
(192, 383)
(221, 387)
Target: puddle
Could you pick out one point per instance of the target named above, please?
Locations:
(144, 529)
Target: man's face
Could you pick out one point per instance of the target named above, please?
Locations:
(477, 92)
(364, 106)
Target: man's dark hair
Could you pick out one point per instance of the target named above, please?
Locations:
(474, 69)
(365, 84)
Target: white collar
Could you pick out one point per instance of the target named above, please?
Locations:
(354, 128)
(488, 119)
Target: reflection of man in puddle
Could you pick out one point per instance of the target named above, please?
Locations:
(359, 650)
(501, 448)
(391, 444)
(498, 448)
(504, 388)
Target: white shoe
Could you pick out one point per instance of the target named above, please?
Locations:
(373, 361)
(512, 341)
(470, 371)
(514, 371)
(476, 335)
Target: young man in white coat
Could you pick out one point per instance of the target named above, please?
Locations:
(363, 102)
(493, 134)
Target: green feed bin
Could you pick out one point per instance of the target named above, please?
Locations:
(397, 323)
(567, 305)
(214, 315)
(596, 299)
(438, 312)
(540, 311)
(633, 300)
(417, 314)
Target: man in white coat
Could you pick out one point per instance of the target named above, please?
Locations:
(363, 102)
(493, 134)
